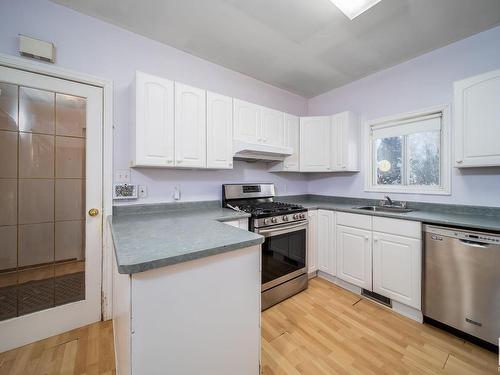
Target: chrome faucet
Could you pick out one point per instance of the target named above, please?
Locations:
(389, 200)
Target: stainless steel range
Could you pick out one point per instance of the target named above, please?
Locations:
(284, 226)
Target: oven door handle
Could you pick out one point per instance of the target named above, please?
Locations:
(274, 231)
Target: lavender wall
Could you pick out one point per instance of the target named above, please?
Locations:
(422, 82)
(87, 45)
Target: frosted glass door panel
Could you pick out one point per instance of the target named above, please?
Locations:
(42, 199)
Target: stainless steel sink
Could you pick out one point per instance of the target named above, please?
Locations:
(395, 209)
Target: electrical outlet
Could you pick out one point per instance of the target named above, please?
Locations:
(122, 176)
(143, 191)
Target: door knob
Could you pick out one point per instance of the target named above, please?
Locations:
(93, 212)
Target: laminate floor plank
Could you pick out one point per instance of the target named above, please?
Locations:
(329, 330)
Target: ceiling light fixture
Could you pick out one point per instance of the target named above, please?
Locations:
(353, 8)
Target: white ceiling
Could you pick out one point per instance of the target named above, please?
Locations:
(304, 46)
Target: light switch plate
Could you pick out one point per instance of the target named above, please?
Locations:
(122, 176)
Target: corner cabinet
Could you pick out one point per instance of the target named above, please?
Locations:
(329, 143)
(190, 127)
(152, 121)
(219, 131)
(315, 133)
(477, 121)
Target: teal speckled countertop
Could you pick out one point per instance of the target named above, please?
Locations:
(152, 236)
(473, 217)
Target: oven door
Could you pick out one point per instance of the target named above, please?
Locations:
(284, 253)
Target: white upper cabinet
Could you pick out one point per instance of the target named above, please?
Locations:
(273, 127)
(190, 127)
(219, 131)
(312, 241)
(292, 140)
(247, 121)
(152, 121)
(477, 121)
(315, 138)
(344, 144)
(326, 242)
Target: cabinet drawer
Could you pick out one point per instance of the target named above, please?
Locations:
(354, 220)
(406, 228)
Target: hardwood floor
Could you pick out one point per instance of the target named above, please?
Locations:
(87, 350)
(324, 330)
(328, 330)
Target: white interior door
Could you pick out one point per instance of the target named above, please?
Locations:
(50, 177)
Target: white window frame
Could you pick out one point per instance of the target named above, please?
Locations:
(445, 187)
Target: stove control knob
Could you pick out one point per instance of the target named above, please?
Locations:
(274, 220)
(296, 216)
(302, 216)
(285, 218)
(266, 221)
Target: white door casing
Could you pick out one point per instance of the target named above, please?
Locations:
(41, 324)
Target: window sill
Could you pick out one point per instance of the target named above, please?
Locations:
(407, 190)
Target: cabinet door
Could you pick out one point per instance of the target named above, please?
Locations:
(247, 121)
(292, 140)
(397, 268)
(152, 130)
(190, 127)
(354, 256)
(345, 140)
(326, 241)
(219, 131)
(315, 144)
(273, 127)
(477, 121)
(312, 235)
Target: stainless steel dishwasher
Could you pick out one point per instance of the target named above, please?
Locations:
(462, 280)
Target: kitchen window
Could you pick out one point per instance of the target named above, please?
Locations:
(409, 153)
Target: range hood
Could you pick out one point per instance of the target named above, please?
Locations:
(257, 151)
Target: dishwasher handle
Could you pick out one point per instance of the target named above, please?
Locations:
(473, 243)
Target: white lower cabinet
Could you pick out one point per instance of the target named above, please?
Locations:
(312, 240)
(326, 242)
(397, 264)
(354, 256)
